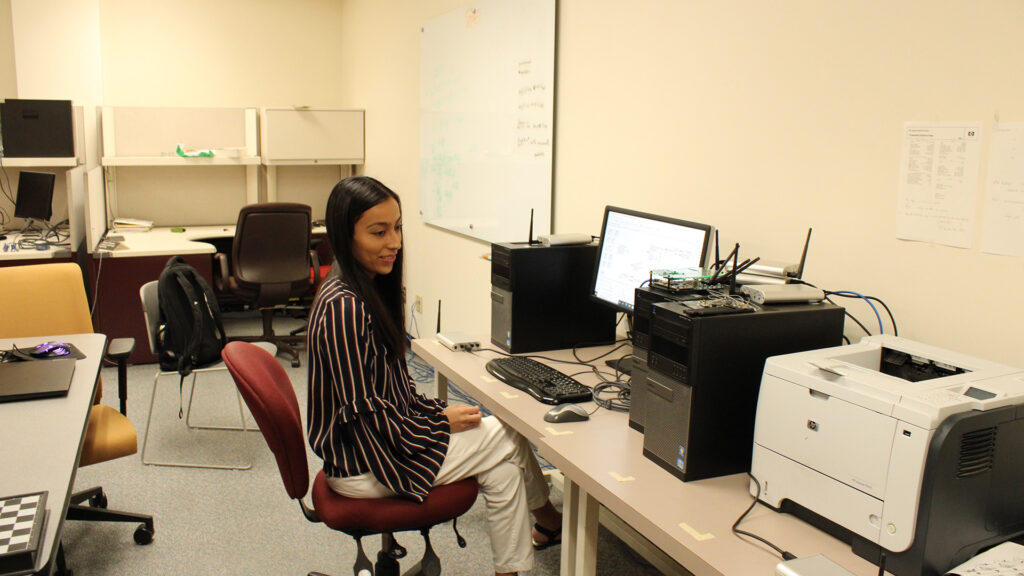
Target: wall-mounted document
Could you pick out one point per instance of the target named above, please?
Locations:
(1003, 223)
(939, 182)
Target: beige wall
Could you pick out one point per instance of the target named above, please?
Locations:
(222, 53)
(8, 78)
(761, 118)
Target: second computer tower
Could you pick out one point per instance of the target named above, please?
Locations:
(704, 373)
(540, 298)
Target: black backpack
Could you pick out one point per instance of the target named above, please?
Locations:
(192, 333)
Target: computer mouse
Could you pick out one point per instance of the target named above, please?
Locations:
(50, 350)
(566, 413)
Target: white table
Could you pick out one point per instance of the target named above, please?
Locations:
(603, 465)
(42, 438)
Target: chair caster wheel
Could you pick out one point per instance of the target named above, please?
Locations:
(98, 501)
(295, 363)
(143, 535)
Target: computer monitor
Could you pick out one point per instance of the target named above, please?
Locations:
(634, 243)
(35, 196)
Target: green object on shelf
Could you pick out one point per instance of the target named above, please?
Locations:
(202, 153)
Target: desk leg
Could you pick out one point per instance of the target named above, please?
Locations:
(441, 383)
(580, 516)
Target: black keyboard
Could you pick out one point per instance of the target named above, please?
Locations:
(538, 380)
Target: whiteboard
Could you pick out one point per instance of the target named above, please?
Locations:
(487, 83)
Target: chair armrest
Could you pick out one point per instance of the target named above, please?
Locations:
(118, 350)
(220, 272)
(315, 259)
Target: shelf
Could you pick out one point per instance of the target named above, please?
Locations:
(39, 162)
(314, 162)
(179, 161)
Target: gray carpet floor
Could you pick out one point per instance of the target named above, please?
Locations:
(242, 521)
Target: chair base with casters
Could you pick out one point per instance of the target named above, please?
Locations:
(286, 343)
(268, 392)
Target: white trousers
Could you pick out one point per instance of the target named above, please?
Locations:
(510, 481)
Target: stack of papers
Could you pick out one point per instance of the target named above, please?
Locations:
(132, 225)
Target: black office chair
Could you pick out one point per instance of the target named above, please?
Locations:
(270, 265)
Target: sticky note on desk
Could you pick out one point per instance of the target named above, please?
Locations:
(621, 478)
(696, 535)
(554, 432)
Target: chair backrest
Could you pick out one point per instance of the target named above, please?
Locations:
(151, 312)
(268, 392)
(271, 250)
(43, 299)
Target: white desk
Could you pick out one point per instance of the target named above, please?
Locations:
(603, 464)
(161, 241)
(42, 438)
(9, 249)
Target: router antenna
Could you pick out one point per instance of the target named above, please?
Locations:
(803, 257)
(531, 226)
(716, 249)
(735, 258)
(439, 316)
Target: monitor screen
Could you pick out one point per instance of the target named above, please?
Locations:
(634, 243)
(35, 196)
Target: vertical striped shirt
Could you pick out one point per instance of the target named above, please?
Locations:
(364, 414)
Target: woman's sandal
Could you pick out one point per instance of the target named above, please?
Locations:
(554, 537)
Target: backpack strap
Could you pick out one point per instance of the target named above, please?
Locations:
(214, 306)
(187, 360)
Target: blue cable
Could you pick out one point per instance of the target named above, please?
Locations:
(881, 329)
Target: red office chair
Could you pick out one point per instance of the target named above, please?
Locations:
(268, 392)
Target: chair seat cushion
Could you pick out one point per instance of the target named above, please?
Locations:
(376, 515)
(109, 435)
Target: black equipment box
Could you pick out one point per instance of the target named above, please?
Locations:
(540, 298)
(704, 373)
(644, 300)
(37, 128)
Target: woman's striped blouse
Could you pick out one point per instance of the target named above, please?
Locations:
(364, 414)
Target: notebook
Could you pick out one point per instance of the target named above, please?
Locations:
(35, 379)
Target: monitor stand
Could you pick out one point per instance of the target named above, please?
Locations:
(623, 364)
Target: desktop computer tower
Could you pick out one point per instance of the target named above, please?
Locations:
(644, 300)
(540, 298)
(704, 373)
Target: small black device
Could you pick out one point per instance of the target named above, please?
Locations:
(37, 128)
(635, 243)
(539, 298)
(35, 196)
(539, 380)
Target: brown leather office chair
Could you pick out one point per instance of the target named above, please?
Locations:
(47, 299)
(268, 391)
(270, 264)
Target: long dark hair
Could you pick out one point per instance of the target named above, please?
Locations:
(349, 199)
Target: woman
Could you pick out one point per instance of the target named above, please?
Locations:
(377, 436)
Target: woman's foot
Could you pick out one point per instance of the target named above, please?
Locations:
(544, 537)
(547, 531)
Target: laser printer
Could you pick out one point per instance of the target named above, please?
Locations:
(895, 446)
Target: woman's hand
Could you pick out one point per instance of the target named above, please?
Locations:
(462, 417)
